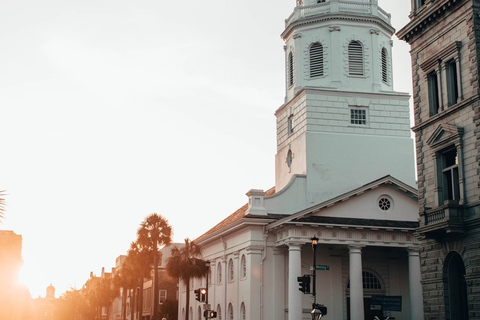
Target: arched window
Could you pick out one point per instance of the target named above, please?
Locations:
(219, 273)
(369, 281)
(243, 262)
(230, 311)
(372, 285)
(199, 313)
(355, 58)
(384, 65)
(290, 68)
(243, 312)
(456, 302)
(316, 60)
(219, 312)
(230, 270)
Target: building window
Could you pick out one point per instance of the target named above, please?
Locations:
(290, 124)
(358, 116)
(230, 311)
(355, 59)
(385, 203)
(450, 179)
(290, 68)
(243, 312)
(199, 313)
(230, 270)
(243, 262)
(219, 273)
(452, 85)
(162, 296)
(384, 65)
(219, 312)
(316, 60)
(370, 281)
(433, 102)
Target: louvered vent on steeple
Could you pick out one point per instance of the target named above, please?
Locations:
(384, 66)
(316, 60)
(355, 59)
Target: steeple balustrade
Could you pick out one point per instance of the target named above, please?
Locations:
(336, 6)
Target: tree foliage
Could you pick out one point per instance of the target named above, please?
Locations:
(184, 263)
(154, 232)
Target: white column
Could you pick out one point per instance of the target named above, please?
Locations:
(279, 287)
(294, 271)
(356, 284)
(414, 281)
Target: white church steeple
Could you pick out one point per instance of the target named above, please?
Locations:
(338, 45)
(342, 124)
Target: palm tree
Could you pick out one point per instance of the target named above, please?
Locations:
(184, 264)
(154, 232)
(139, 262)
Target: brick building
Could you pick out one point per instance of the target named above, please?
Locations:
(444, 39)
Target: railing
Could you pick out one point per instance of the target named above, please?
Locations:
(337, 6)
(435, 217)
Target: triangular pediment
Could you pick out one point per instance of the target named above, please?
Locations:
(361, 204)
(443, 135)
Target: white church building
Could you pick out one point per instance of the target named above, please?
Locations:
(344, 174)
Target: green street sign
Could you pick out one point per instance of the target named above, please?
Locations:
(321, 267)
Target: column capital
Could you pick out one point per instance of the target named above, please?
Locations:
(413, 251)
(295, 244)
(355, 248)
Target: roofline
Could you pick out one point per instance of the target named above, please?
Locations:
(384, 180)
(234, 226)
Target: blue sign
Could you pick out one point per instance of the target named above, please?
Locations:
(388, 303)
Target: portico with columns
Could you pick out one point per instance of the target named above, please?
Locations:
(369, 252)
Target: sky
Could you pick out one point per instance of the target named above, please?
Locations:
(112, 110)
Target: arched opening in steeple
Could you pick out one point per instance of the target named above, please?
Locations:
(355, 58)
(316, 60)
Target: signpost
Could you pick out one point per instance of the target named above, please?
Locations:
(320, 267)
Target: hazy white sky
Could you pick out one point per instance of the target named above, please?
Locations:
(112, 110)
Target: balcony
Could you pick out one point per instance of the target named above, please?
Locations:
(338, 7)
(443, 221)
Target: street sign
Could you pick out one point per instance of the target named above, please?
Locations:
(388, 303)
(321, 267)
(207, 306)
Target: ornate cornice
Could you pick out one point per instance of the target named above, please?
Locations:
(425, 16)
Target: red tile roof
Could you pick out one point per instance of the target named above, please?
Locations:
(237, 215)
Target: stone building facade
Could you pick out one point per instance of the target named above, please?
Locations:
(444, 36)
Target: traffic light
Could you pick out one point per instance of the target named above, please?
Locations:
(323, 309)
(210, 314)
(197, 294)
(203, 295)
(304, 283)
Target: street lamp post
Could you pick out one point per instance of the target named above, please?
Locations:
(316, 308)
(207, 310)
(314, 247)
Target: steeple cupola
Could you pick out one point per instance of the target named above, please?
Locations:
(340, 45)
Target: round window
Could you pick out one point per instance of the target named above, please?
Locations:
(385, 203)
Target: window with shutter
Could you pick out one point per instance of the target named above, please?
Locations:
(316, 60)
(290, 69)
(355, 59)
(384, 66)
